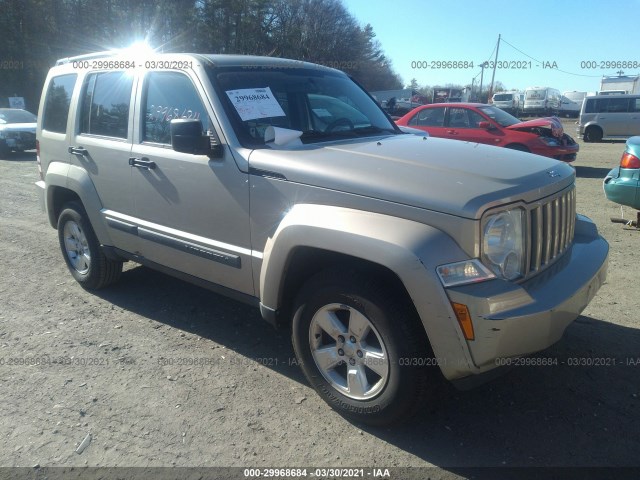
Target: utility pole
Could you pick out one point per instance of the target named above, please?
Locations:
(483, 65)
(495, 64)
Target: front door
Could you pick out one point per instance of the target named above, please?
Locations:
(192, 211)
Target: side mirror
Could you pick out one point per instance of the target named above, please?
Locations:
(187, 137)
(485, 125)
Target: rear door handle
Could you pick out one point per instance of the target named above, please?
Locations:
(79, 151)
(143, 162)
(452, 132)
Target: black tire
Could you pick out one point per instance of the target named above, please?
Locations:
(592, 134)
(411, 371)
(519, 147)
(86, 262)
(5, 151)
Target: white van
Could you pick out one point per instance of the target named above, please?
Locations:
(571, 103)
(507, 101)
(610, 117)
(541, 101)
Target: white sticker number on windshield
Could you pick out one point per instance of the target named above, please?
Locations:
(252, 103)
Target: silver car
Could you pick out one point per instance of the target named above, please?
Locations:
(17, 130)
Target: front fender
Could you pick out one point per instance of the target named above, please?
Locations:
(78, 181)
(409, 249)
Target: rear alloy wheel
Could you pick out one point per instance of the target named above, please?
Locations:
(362, 347)
(81, 250)
(592, 134)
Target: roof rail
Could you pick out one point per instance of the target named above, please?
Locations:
(86, 56)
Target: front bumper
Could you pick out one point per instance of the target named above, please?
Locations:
(512, 320)
(20, 142)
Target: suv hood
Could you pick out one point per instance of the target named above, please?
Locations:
(448, 176)
(552, 123)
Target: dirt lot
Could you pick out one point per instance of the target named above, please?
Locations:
(162, 373)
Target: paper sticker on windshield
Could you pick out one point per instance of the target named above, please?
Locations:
(252, 103)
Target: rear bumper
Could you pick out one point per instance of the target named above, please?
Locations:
(622, 189)
(40, 190)
(512, 320)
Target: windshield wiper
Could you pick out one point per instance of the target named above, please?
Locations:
(374, 129)
(317, 134)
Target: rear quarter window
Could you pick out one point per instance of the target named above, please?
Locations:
(56, 107)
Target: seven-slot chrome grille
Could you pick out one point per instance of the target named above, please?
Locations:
(551, 229)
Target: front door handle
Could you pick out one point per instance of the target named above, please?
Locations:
(79, 151)
(452, 132)
(143, 162)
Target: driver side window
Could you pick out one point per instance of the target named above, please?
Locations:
(169, 95)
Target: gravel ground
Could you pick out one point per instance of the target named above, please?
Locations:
(163, 373)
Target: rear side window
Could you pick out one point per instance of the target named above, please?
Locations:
(168, 96)
(105, 104)
(56, 107)
(429, 117)
(608, 105)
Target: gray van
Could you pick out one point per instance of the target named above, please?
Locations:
(609, 117)
(571, 103)
(508, 101)
(541, 101)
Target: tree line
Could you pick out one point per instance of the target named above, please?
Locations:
(38, 32)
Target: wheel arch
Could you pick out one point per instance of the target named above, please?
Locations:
(592, 126)
(404, 252)
(66, 183)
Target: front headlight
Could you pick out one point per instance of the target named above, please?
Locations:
(503, 246)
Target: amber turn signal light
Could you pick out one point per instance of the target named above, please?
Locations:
(464, 319)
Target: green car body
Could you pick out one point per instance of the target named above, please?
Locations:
(622, 185)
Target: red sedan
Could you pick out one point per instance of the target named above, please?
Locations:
(477, 122)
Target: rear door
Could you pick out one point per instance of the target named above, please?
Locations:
(101, 145)
(633, 125)
(430, 120)
(616, 117)
(192, 211)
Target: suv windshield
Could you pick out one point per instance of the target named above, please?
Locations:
(503, 97)
(323, 104)
(499, 116)
(16, 116)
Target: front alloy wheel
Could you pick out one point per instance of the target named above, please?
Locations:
(349, 351)
(362, 347)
